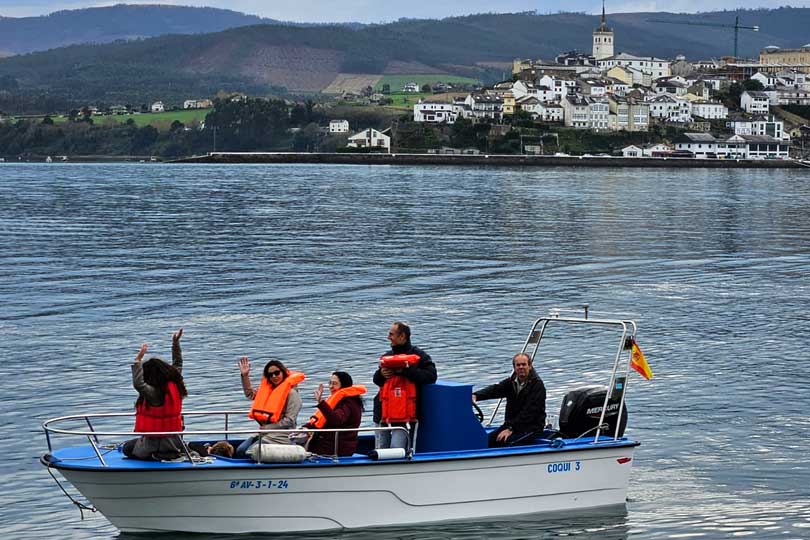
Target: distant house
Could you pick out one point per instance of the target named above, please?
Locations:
(370, 138)
(701, 145)
(157, 107)
(197, 104)
(118, 109)
(411, 87)
(755, 102)
(431, 111)
(338, 126)
(709, 110)
(632, 151)
(655, 150)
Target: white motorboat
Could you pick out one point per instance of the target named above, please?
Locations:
(447, 474)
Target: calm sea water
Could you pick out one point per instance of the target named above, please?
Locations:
(312, 263)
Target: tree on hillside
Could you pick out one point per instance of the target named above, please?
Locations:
(386, 89)
(248, 124)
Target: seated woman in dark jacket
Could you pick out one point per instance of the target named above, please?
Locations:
(342, 409)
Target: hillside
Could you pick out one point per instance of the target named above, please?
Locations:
(257, 58)
(108, 24)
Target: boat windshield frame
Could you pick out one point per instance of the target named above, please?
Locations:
(628, 331)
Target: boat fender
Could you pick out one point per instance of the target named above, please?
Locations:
(277, 453)
(384, 454)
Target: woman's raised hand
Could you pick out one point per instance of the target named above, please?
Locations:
(244, 366)
(319, 393)
(141, 352)
(177, 335)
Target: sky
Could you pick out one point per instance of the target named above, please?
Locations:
(369, 11)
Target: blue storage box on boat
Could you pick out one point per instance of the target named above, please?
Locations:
(447, 419)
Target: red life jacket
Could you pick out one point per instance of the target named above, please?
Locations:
(166, 417)
(318, 420)
(398, 394)
(269, 402)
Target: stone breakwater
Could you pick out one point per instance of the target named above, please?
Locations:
(489, 159)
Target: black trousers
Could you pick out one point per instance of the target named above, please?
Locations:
(515, 439)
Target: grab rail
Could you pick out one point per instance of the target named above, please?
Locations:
(93, 434)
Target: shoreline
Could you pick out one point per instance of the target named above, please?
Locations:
(502, 160)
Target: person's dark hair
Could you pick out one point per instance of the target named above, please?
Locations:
(277, 363)
(346, 381)
(403, 328)
(159, 374)
(344, 378)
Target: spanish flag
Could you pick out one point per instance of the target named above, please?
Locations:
(638, 362)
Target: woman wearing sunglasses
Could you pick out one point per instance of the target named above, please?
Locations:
(275, 404)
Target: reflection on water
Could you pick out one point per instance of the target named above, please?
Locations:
(311, 264)
(606, 523)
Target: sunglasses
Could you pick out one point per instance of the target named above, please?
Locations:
(273, 373)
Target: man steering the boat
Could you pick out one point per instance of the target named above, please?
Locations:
(525, 395)
(402, 372)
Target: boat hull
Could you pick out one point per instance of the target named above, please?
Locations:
(358, 495)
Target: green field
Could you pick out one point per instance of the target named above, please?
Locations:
(396, 82)
(163, 119)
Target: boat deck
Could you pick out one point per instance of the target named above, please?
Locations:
(84, 457)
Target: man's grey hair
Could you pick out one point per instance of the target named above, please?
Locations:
(518, 355)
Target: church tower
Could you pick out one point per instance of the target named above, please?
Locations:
(603, 39)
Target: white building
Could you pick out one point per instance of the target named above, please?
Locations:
(592, 87)
(197, 104)
(755, 102)
(791, 96)
(551, 112)
(655, 150)
(670, 87)
(370, 138)
(157, 107)
(585, 112)
(602, 39)
(670, 109)
(411, 87)
(338, 126)
(485, 107)
(706, 146)
(632, 151)
(428, 111)
(709, 110)
(541, 93)
(561, 85)
(654, 67)
(759, 125)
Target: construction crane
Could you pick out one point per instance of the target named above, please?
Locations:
(736, 26)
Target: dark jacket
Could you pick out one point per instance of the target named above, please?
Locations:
(423, 372)
(526, 411)
(347, 414)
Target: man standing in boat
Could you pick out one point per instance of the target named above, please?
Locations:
(525, 396)
(403, 370)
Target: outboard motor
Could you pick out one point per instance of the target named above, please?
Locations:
(581, 409)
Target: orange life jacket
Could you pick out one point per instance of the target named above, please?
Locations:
(318, 420)
(269, 402)
(398, 394)
(166, 417)
(399, 361)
